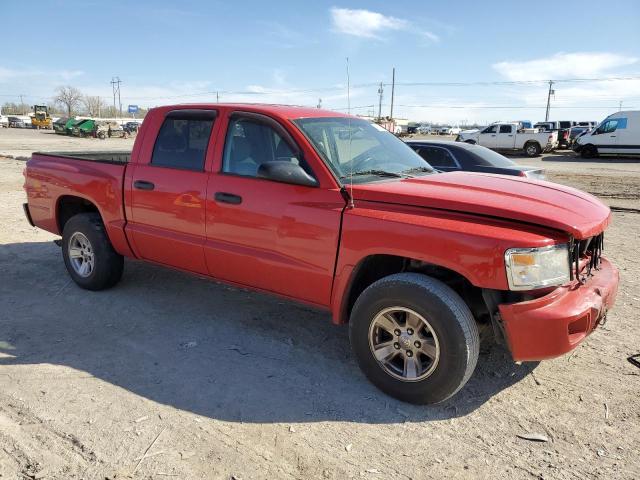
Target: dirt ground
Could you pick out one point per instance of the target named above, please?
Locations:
(172, 376)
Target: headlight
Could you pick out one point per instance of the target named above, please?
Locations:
(531, 268)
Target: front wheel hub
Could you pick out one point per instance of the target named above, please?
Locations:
(404, 343)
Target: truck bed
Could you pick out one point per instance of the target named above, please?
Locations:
(116, 156)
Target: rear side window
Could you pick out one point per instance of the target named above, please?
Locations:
(438, 157)
(183, 139)
(505, 128)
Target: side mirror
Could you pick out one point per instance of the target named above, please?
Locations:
(286, 172)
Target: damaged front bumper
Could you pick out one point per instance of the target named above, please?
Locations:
(554, 324)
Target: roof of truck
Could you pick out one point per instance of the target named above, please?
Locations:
(283, 111)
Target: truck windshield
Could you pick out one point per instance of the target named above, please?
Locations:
(358, 147)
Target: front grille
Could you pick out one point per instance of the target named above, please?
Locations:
(589, 249)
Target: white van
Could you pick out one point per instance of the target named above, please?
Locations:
(619, 133)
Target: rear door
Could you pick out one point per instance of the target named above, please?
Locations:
(488, 136)
(264, 234)
(166, 218)
(506, 137)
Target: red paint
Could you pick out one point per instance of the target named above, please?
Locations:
(556, 323)
(305, 244)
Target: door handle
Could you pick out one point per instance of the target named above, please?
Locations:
(224, 197)
(493, 135)
(143, 185)
(612, 136)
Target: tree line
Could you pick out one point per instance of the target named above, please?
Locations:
(70, 101)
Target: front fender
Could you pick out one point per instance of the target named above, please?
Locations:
(470, 245)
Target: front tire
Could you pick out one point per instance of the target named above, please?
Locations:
(88, 254)
(414, 338)
(589, 151)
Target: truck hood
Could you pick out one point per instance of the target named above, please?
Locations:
(541, 203)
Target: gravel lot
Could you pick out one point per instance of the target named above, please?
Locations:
(172, 376)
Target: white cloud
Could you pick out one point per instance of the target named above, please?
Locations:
(21, 75)
(364, 23)
(368, 24)
(564, 65)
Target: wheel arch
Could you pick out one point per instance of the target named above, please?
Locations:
(376, 266)
(69, 205)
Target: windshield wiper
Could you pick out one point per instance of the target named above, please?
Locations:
(379, 173)
(420, 169)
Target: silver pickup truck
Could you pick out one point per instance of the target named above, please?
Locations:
(510, 137)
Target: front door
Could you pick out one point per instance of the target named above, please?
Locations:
(168, 208)
(265, 234)
(487, 137)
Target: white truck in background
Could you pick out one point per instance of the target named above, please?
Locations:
(511, 137)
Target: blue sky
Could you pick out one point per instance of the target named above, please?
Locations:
(294, 52)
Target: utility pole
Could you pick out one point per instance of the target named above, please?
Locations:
(217, 96)
(620, 106)
(393, 89)
(22, 105)
(319, 103)
(380, 91)
(551, 92)
(115, 86)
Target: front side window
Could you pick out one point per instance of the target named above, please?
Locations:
(250, 144)
(438, 157)
(356, 148)
(608, 126)
(182, 141)
(491, 129)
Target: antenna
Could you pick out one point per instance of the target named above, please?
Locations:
(351, 205)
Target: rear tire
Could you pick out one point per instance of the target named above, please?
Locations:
(88, 254)
(589, 151)
(532, 149)
(443, 340)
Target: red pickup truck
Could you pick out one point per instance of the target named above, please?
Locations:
(333, 211)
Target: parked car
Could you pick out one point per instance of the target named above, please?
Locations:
(131, 127)
(458, 156)
(454, 131)
(619, 133)
(4, 121)
(424, 129)
(575, 132)
(274, 198)
(59, 125)
(84, 128)
(507, 137)
(72, 122)
(16, 122)
(587, 124)
(444, 130)
(561, 127)
(109, 129)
